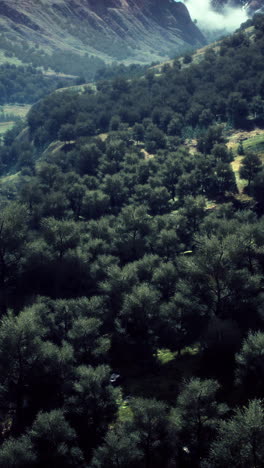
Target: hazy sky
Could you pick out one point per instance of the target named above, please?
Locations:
(209, 19)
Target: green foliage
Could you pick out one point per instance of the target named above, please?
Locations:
(250, 364)
(250, 166)
(120, 450)
(121, 234)
(197, 415)
(53, 441)
(239, 440)
(17, 453)
(27, 84)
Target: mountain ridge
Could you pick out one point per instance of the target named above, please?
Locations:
(143, 30)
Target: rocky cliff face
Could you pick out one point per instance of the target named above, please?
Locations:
(137, 29)
(251, 6)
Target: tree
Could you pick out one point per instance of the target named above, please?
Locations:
(13, 236)
(250, 166)
(75, 195)
(257, 190)
(137, 319)
(91, 406)
(138, 132)
(181, 319)
(114, 123)
(194, 212)
(55, 442)
(60, 235)
(250, 368)
(154, 138)
(67, 132)
(237, 108)
(134, 224)
(187, 58)
(257, 107)
(95, 203)
(239, 440)
(150, 423)
(17, 453)
(88, 159)
(176, 125)
(90, 344)
(213, 136)
(240, 148)
(225, 180)
(21, 352)
(119, 450)
(221, 153)
(197, 415)
(30, 193)
(219, 287)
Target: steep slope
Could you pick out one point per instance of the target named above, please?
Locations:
(140, 29)
(251, 6)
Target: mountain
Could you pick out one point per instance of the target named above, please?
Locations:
(251, 6)
(142, 30)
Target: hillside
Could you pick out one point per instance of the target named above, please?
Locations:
(251, 6)
(134, 30)
(132, 269)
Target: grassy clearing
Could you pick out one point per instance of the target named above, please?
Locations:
(147, 155)
(11, 60)
(124, 411)
(241, 184)
(12, 178)
(77, 88)
(252, 141)
(19, 110)
(12, 112)
(255, 144)
(162, 381)
(8, 186)
(5, 126)
(103, 136)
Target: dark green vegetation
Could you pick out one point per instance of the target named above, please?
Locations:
(122, 251)
(25, 84)
(87, 66)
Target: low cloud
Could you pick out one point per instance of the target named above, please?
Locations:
(210, 20)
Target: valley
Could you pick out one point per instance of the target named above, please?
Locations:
(131, 238)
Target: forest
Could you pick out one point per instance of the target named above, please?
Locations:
(25, 84)
(131, 270)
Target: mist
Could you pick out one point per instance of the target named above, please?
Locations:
(210, 20)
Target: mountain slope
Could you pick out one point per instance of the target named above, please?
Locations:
(251, 6)
(140, 29)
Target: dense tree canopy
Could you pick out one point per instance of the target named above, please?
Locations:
(131, 272)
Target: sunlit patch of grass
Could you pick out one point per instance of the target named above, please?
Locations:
(11, 60)
(241, 184)
(124, 411)
(10, 178)
(77, 88)
(103, 136)
(165, 355)
(18, 110)
(5, 126)
(191, 350)
(256, 144)
(160, 380)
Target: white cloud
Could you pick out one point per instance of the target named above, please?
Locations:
(208, 19)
